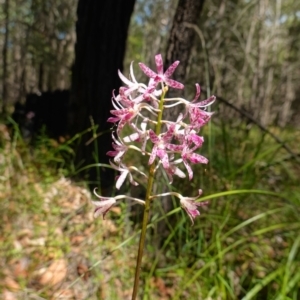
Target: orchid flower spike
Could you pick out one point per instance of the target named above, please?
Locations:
(138, 118)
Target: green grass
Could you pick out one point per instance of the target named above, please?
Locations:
(245, 244)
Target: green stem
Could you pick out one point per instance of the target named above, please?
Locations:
(147, 203)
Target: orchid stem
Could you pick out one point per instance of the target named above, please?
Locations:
(147, 203)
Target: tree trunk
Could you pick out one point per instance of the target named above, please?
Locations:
(181, 38)
(4, 58)
(180, 44)
(99, 51)
(179, 47)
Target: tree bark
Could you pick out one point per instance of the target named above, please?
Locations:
(4, 57)
(179, 47)
(181, 38)
(99, 51)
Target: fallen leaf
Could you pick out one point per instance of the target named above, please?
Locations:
(11, 284)
(56, 273)
(77, 239)
(20, 267)
(7, 295)
(63, 294)
(83, 271)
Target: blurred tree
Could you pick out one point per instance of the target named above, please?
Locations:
(37, 41)
(181, 39)
(249, 57)
(179, 47)
(252, 49)
(4, 56)
(149, 32)
(99, 52)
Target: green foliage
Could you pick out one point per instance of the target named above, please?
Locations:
(251, 47)
(245, 244)
(40, 46)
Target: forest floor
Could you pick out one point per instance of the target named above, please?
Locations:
(51, 247)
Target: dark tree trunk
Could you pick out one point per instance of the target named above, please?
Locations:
(179, 47)
(41, 77)
(4, 57)
(101, 39)
(181, 38)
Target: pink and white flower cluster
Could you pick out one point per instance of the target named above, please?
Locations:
(136, 108)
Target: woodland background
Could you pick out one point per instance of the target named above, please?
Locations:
(251, 47)
(246, 242)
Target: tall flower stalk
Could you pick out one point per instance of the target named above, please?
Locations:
(139, 108)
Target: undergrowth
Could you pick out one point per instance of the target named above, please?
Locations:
(245, 245)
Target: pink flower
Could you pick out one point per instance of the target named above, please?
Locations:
(139, 135)
(179, 134)
(192, 138)
(190, 206)
(203, 103)
(125, 171)
(126, 109)
(106, 203)
(187, 203)
(143, 92)
(160, 76)
(160, 145)
(174, 170)
(103, 206)
(198, 116)
(188, 154)
(123, 115)
(119, 149)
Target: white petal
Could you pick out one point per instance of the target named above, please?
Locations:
(131, 138)
(179, 173)
(131, 73)
(121, 179)
(144, 124)
(124, 79)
